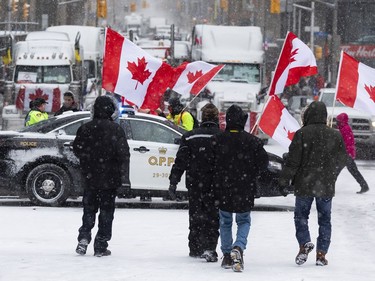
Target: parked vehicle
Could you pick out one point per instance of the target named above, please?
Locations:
(363, 124)
(38, 161)
(44, 65)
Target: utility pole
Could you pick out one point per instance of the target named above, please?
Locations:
(335, 44)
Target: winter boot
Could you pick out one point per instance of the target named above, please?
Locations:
(227, 261)
(321, 258)
(102, 253)
(364, 189)
(82, 247)
(304, 251)
(209, 255)
(237, 258)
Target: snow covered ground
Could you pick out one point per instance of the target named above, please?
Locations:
(38, 243)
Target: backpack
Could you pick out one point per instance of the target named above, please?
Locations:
(196, 122)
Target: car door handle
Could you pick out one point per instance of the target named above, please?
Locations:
(141, 149)
(68, 144)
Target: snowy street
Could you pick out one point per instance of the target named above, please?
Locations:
(38, 243)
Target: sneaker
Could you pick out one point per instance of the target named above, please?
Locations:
(363, 190)
(304, 251)
(82, 247)
(210, 256)
(227, 261)
(321, 258)
(104, 253)
(237, 258)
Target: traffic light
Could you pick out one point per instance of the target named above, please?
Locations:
(101, 8)
(224, 5)
(275, 7)
(25, 11)
(133, 7)
(15, 6)
(318, 52)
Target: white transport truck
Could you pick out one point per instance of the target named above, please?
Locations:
(44, 65)
(240, 48)
(91, 40)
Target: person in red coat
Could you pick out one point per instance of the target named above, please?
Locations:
(347, 134)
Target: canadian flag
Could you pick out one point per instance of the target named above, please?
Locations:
(131, 72)
(296, 60)
(356, 84)
(277, 122)
(190, 78)
(51, 95)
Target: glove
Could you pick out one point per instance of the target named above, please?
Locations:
(172, 191)
(124, 191)
(283, 190)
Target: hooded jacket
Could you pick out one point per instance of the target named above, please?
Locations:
(239, 158)
(346, 133)
(316, 156)
(102, 149)
(178, 116)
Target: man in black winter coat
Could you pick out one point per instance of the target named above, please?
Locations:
(316, 156)
(239, 159)
(194, 156)
(103, 151)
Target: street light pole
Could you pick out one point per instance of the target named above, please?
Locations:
(335, 44)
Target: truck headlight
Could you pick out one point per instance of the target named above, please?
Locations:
(373, 123)
(273, 165)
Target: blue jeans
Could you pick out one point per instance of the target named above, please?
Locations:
(243, 221)
(301, 219)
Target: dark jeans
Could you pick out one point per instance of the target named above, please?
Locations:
(301, 219)
(93, 200)
(353, 170)
(203, 223)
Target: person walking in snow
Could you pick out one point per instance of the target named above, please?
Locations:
(347, 134)
(239, 158)
(316, 157)
(103, 152)
(194, 157)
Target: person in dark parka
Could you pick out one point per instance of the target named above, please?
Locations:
(194, 156)
(316, 157)
(103, 151)
(239, 158)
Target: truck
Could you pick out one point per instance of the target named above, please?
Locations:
(134, 23)
(44, 65)
(362, 123)
(240, 48)
(91, 40)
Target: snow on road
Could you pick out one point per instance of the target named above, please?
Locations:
(38, 243)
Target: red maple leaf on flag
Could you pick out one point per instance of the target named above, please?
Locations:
(292, 54)
(140, 73)
(192, 77)
(371, 91)
(38, 94)
(291, 135)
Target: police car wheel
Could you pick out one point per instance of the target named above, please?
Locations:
(48, 185)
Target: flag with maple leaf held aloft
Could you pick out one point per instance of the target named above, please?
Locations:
(131, 72)
(190, 78)
(277, 122)
(296, 60)
(356, 84)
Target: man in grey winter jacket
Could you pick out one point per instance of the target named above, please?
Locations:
(316, 157)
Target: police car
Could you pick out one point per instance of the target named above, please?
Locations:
(38, 161)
